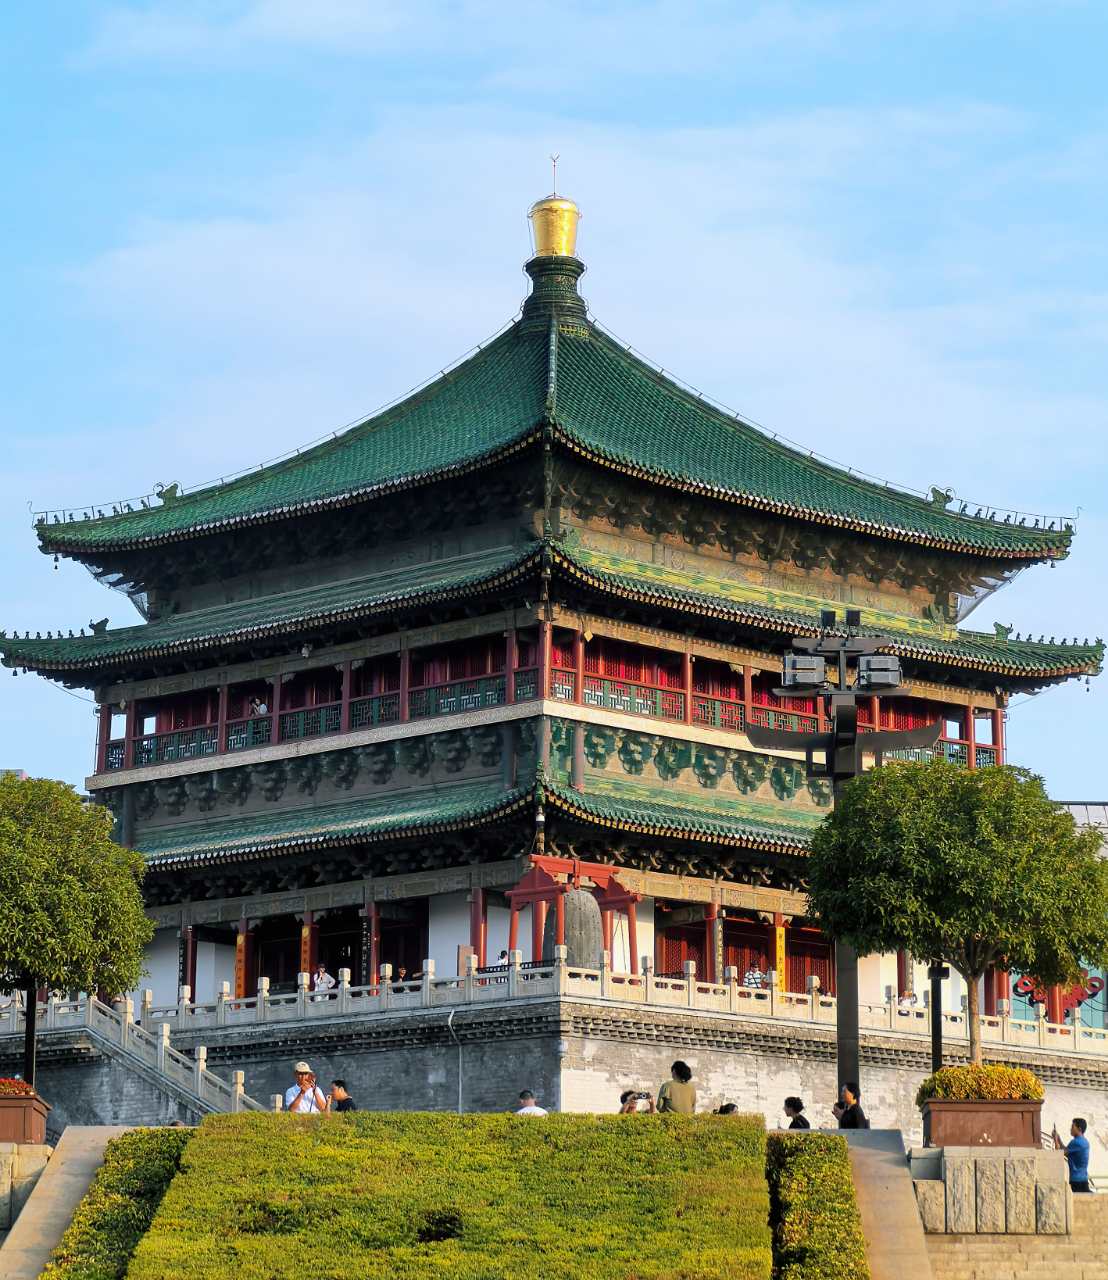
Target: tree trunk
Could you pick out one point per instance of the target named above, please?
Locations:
(973, 1018)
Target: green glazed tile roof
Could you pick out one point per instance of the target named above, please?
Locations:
(787, 612)
(636, 806)
(605, 404)
(291, 612)
(354, 821)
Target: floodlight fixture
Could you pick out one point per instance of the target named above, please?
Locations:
(827, 619)
(878, 671)
(803, 671)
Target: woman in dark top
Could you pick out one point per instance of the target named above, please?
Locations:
(794, 1109)
(848, 1110)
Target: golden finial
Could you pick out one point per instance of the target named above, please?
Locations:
(554, 222)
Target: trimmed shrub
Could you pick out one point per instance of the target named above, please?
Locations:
(984, 1083)
(404, 1195)
(118, 1207)
(13, 1087)
(817, 1233)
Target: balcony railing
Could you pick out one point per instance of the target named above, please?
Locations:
(381, 708)
(180, 744)
(637, 699)
(456, 695)
(244, 734)
(312, 722)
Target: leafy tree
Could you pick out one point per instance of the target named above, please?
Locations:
(71, 913)
(968, 867)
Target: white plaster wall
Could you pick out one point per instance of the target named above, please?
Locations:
(871, 989)
(499, 921)
(644, 928)
(447, 929)
(161, 959)
(215, 964)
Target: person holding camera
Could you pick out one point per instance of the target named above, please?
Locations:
(304, 1097)
(630, 1102)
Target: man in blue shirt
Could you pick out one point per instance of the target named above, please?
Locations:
(1077, 1154)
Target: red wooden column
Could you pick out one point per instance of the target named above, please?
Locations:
(633, 935)
(606, 929)
(578, 669)
(103, 735)
(244, 959)
(998, 734)
(373, 919)
(748, 690)
(903, 972)
(1054, 1009)
(971, 737)
(511, 661)
(478, 926)
(1003, 985)
(221, 719)
(129, 744)
(187, 963)
(779, 951)
(275, 711)
(405, 682)
(711, 912)
(545, 641)
(686, 679)
(347, 685)
(513, 930)
(874, 711)
(309, 943)
(560, 920)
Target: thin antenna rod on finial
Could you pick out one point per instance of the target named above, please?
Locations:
(554, 163)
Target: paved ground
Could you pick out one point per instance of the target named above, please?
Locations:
(895, 1244)
(48, 1212)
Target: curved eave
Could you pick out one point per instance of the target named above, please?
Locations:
(896, 533)
(474, 588)
(250, 851)
(578, 807)
(52, 539)
(701, 605)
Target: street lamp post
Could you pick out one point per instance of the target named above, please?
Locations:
(937, 972)
(804, 673)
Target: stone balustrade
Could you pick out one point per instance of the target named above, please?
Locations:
(517, 981)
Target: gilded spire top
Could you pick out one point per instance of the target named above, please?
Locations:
(554, 226)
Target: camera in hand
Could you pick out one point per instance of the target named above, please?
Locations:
(642, 1097)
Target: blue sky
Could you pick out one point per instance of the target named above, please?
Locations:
(876, 228)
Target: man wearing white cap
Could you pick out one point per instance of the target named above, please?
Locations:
(304, 1096)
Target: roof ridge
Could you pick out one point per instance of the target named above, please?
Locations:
(552, 369)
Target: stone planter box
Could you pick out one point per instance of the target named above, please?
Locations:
(980, 1123)
(23, 1119)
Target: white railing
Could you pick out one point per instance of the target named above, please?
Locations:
(116, 1029)
(517, 981)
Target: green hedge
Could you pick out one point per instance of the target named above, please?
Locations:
(381, 1194)
(119, 1205)
(817, 1233)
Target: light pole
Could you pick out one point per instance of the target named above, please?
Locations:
(937, 972)
(804, 673)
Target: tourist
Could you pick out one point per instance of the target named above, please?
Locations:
(304, 1097)
(322, 981)
(258, 707)
(754, 977)
(906, 1001)
(678, 1094)
(1077, 1154)
(528, 1106)
(338, 1099)
(631, 1102)
(794, 1109)
(848, 1110)
(728, 1109)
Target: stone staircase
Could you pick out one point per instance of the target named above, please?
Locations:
(1083, 1255)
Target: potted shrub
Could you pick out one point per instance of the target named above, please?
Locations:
(22, 1112)
(981, 1106)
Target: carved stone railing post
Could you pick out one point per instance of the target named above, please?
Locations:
(161, 1044)
(469, 978)
(222, 1000)
(276, 1101)
(1004, 1013)
(146, 1007)
(199, 1067)
(238, 1088)
(731, 977)
(427, 982)
(303, 982)
(646, 968)
(690, 982)
(1044, 1034)
(384, 988)
(51, 1018)
(344, 991)
(515, 959)
(605, 973)
(261, 1006)
(184, 1001)
(126, 1010)
(561, 970)
(771, 981)
(1075, 1024)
